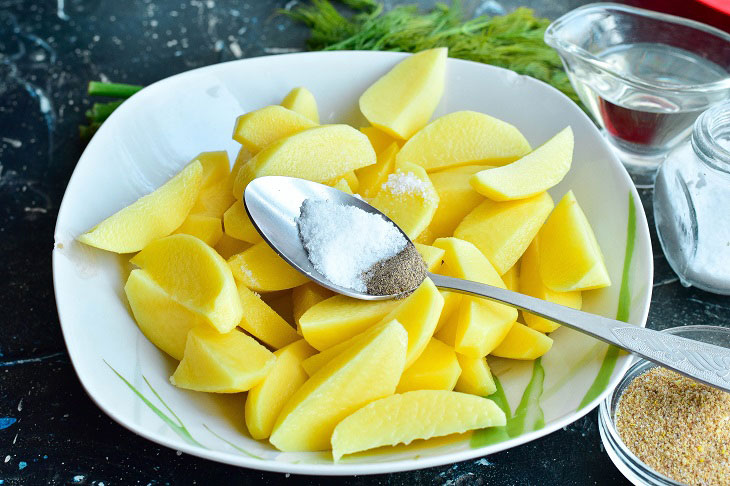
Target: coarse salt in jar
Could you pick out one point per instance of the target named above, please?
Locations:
(692, 204)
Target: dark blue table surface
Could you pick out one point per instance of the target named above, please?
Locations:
(50, 431)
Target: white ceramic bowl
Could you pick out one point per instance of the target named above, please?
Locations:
(151, 136)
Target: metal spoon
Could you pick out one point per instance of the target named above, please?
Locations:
(273, 203)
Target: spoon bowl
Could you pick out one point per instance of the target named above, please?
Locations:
(273, 204)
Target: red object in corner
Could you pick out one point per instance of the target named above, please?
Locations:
(710, 12)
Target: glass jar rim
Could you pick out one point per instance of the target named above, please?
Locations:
(707, 129)
(555, 41)
(629, 463)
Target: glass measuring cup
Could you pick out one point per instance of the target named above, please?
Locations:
(643, 76)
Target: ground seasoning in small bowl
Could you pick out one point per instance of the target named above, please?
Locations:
(677, 426)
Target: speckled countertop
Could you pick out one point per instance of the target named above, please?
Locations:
(50, 431)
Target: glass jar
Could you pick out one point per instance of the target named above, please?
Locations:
(692, 204)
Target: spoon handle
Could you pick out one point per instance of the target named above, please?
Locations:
(707, 363)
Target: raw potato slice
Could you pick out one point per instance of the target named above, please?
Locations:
(361, 374)
(262, 322)
(464, 138)
(265, 400)
(303, 102)
(503, 231)
(216, 167)
(570, 258)
(259, 268)
(479, 325)
(352, 180)
(431, 255)
(306, 296)
(237, 224)
(511, 278)
(337, 150)
(456, 198)
(476, 377)
(222, 363)
(379, 139)
(207, 228)
(281, 303)
(436, 369)
(227, 246)
(150, 217)
(372, 177)
(408, 198)
(338, 318)
(418, 314)
(195, 276)
(242, 159)
(402, 101)
(406, 417)
(452, 301)
(214, 200)
(257, 129)
(534, 173)
(314, 363)
(342, 185)
(531, 284)
(161, 319)
(523, 343)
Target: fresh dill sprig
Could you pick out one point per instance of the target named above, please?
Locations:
(513, 41)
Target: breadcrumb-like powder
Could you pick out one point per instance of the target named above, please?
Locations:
(677, 426)
(344, 242)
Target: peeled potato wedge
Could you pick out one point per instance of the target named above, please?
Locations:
(150, 217)
(302, 101)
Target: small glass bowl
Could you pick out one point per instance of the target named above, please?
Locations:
(631, 466)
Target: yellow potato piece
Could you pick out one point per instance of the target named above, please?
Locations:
(314, 363)
(531, 284)
(402, 101)
(319, 154)
(418, 314)
(306, 296)
(161, 319)
(361, 374)
(150, 217)
(436, 369)
(338, 318)
(262, 322)
(511, 278)
(342, 185)
(352, 181)
(379, 139)
(408, 198)
(421, 414)
(431, 255)
(214, 200)
(523, 343)
(479, 325)
(265, 400)
(216, 167)
(207, 228)
(227, 246)
(195, 276)
(464, 138)
(452, 301)
(476, 377)
(456, 198)
(503, 231)
(242, 159)
(281, 303)
(237, 224)
(534, 173)
(302, 101)
(570, 258)
(257, 129)
(222, 363)
(259, 268)
(373, 176)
